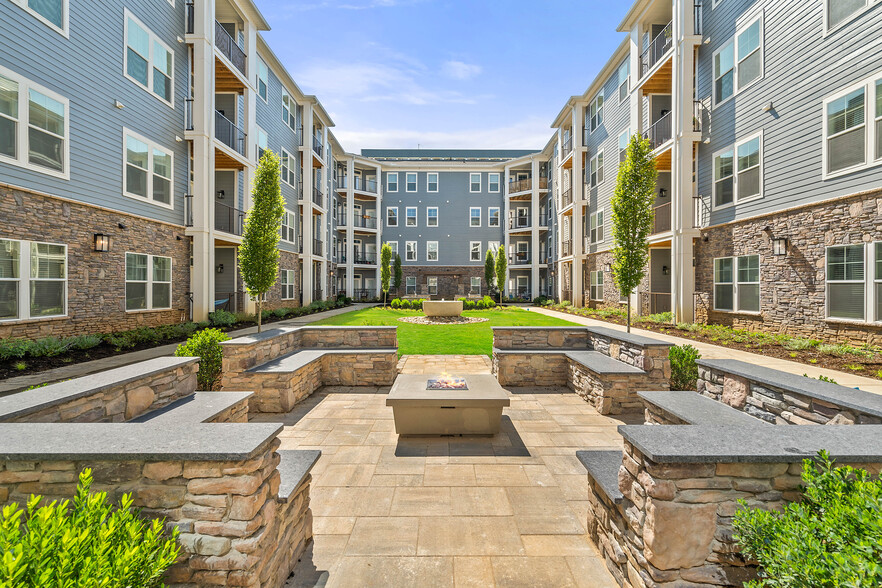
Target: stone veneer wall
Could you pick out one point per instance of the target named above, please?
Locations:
(776, 405)
(526, 369)
(655, 415)
(115, 403)
(251, 352)
(238, 413)
(287, 261)
(608, 393)
(349, 337)
(453, 281)
(540, 338)
(235, 529)
(652, 359)
(792, 286)
(360, 369)
(95, 281)
(277, 391)
(674, 524)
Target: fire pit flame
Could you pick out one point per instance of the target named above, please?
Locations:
(446, 382)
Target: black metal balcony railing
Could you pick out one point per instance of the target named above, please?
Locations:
(366, 184)
(228, 219)
(227, 45)
(657, 48)
(299, 243)
(365, 222)
(567, 146)
(361, 294)
(341, 255)
(190, 12)
(698, 114)
(188, 114)
(661, 131)
(661, 222)
(566, 248)
(586, 132)
(317, 146)
(317, 247)
(515, 186)
(521, 258)
(229, 301)
(699, 21)
(317, 195)
(566, 197)
(364, 258)
(228, 133)
(341, 218)
(519, 222)
(300, 135)
(659, 302)
(188, 210)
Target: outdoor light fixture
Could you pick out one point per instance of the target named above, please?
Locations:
(220, 268)
(102, 242)
(607, 267)
(666, 270)
(779, 246)
(220, 194)
(662, 193)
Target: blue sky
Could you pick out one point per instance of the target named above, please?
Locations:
(443, 73)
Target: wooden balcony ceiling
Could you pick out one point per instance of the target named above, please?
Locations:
(568, 162)
(366, 197)
(661, 81)
(663, 160)
(316, 160)
(225, 80)
(224, 161)
(661, 245)
(526, 196)
(224, 243)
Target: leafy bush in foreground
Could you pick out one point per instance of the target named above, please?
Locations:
(206, 346)
(684, 369)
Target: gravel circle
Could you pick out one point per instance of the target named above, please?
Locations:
(442, 320)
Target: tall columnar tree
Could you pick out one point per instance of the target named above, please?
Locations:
(385, 269)
(490, 271)
(259, 252)
(501, 269)
(632, 217)
(396, 280)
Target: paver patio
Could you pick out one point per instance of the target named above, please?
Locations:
(448, 511)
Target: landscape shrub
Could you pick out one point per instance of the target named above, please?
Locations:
(468, 304)
(222, 318)
(90, 544)
(206, 346)
(832, 537)
(395, 304)
(799, 344)
(684, 369)
(281, 312)
(14, 348)
(47, 347)
(83, 342)
(542, 300)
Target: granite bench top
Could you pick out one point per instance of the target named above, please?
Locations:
(600, 363)
(738, 444)
(294, 466)
(696, 409)
(199, 407)
(21, 403)
(123, 441)
(303, 357)
(843, 396)
(603, 467)
(281, 331)
(638, 340)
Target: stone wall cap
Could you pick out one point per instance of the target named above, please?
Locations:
(302, 357)
(603, 467)
(738, 444)
(127, 441)
(294, 466)
(558, 328)
(199, 407)
(696, 409)
(262, 336)
(21, 403)
(859, 400)
(534, 350)
(600, 363)
(628, 337)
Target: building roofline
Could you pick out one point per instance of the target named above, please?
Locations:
(633, 13)
(256, 16)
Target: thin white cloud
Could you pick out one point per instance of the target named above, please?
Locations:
(459, 70)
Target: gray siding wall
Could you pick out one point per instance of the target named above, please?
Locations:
(802, 67)
(88, 69)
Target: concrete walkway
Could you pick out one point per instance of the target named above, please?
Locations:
(709, 351)
(108, 363)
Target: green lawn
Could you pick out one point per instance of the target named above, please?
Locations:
(473, 339)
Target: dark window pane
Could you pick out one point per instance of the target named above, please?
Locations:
(136, 296)
(725, 192)
(846, 301)
(161, 85)
(51, 10)
(748, 297)
(749, 69)
(9, 300)
(749, 183)
(45, 150)
(846, 150)
(723, 297)
(840, 10)
(161, 295)
(8, 129)
(137, 66)
(136, 181)
(47, 298)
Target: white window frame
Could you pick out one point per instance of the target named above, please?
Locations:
(289, 111)
(65, 16)
(595, 119)
(408, 216)
(848, 20)
(493, 246)
(288, 281)
(393, 245)
(429, 217)
(262, 67)
(472, 247)
(429, 246)
(407, 182)
(472, 182)
(429, 181)
(471, 217)
(736, 284)
(876, 279)
(868, 284)
(24, 280)
(22, 147)
(411, 251)
(432, 289)
(597, 233)
(262, 143)
(389, 183)
(627, 136)
(151, 145)
(870, 122)
(388, 208)
(291, 180)
(491, 181)
(493, 212)
(153, 39)
(149, 282)
(736, 88)
(595, 170)
(595, 285)
(625, 66)
(410, 284)
(735, 172)
(474, 291)
(287, 216)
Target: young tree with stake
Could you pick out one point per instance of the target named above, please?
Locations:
(385, 269)
(501, 269)
(490, 271)
(396, 281)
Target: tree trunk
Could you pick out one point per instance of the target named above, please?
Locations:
(629, 314)
(259, 314)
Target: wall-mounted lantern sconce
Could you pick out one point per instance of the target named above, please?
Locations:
(662, 193)
(220, 268)
(666, 271)
(779, 246)
(607, 267)
(102, 242)
(220, 194)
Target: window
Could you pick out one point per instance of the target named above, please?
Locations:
(148, 282)
(34, 126)
(410, 285)
(410, 251)
(431, 250)
(432, 216)
(493, 216)
(394, 246)
(149, 62)
(596, 112)
(474, 286)
(391, 216)
(624, 79)
(732, 75)
(736, 283)
(474, 182)
(493, 246)
(846, 131)
(148, 170)
(288, 285)
(289, 111)
(724, 178)
(262, 143)
(410, 182)
(596, 288)
(33, 280)
(410, 216)
(287, 171)
(474, 217)
(877, 281)
(392, 182)
(432, 285)
(432, 181)
(596, 170)
(475, 251)
(289, 221)
(262, 79)
(493, 183)
(50, 12)
(596, 225)
(845, 282)
(624, 139)
(749, 179)
(840, 11)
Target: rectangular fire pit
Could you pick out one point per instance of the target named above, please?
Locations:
(473, 410)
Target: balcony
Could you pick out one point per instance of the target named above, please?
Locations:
(515, 186)
(661, 132)
(566, 248)
(566, 197)
(228, 219)
(190, 22)
(317, 247)
(567, 146)
(521, 258)
(363, 258)
(228, 133)
(317, 196)
(341, 255)
(317, 146)
(657, 49)
(364, 222)
(341, 218)
(698, 114)
(229, 48)
(519, 222)
(659, 302)
(361, 294)
(661, 221)
(188, 210)
(188, 114)
(698, 21)
(299, 243)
